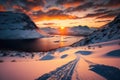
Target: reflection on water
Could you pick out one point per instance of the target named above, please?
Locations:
(61, 41)
(41, 44)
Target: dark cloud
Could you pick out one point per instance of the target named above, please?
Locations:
(26, 5)
(82, 7)
(103, 13)
(59, 9)
(48, 23)
(53, 14)
(110, 14)
(85, 6)
(113, 3)
(101, 10)
(102, 21)
(61, 2)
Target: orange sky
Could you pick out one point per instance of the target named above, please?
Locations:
(65, 13)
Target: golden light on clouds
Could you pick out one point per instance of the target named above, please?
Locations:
(70, 23)
(71, 4)
(66, 13)
(62, 28)
(37, 8)
(2, 8)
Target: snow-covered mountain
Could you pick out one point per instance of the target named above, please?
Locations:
(80, 30)
(17, 26)
(50, 30)
(111, 31)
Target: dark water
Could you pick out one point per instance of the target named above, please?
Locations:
(41, 44)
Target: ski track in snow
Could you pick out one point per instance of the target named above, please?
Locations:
(63, 73)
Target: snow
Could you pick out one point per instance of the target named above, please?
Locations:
(17, 26)
(109, 32)
(30, 68)
(96, 61)
(47, 57)
(80, 30)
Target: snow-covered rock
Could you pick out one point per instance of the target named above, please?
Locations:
(111, 31)
(17, 26)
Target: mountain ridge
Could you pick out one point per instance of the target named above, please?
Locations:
(15, 25)
(107, 33)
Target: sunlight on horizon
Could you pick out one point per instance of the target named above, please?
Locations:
(90, 22)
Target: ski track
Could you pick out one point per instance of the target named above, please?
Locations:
(63, 73)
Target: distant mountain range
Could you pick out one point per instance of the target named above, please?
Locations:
(17, 26)
(111, 31)
(74, 31)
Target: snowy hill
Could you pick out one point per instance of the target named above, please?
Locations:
(111, 31)
(17, 26)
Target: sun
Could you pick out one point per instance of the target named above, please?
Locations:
(62, 27)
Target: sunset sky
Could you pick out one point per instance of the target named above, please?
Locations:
(65, 13)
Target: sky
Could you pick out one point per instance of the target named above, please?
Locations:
(65, 13)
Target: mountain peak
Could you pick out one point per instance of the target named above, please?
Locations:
(14, 20)
(15, 25)
(111, 31)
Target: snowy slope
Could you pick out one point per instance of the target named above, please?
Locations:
(17, 26)
(109, 32)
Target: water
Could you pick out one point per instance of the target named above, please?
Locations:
(41, 44)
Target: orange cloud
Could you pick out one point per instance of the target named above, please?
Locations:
(75, 4)
(53, 17)
(2, 8)
(37, 8)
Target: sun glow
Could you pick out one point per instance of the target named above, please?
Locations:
(62, 27)
(63, 30)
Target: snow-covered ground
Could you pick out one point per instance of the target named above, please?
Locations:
(90, 62)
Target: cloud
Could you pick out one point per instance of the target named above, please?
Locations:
(41, 10)
(101, 10)
(82, 7)
(69, 3)
(102, 21)
(2, 8)
(103, 13)
(48, 23)
(113, 3)
(110, 14)
(20, 5)
(96, 13)
(53, 14)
